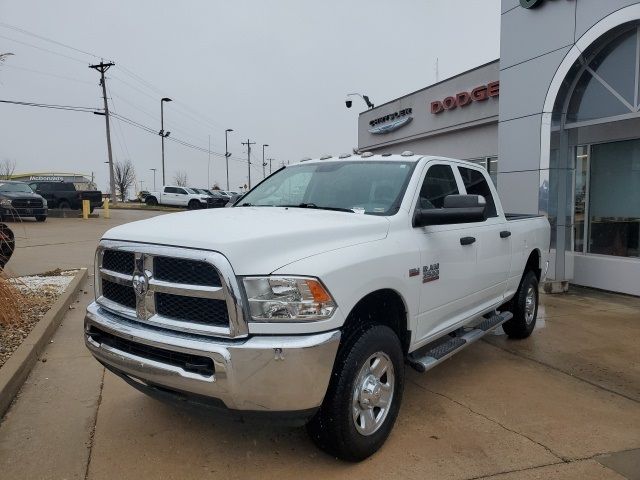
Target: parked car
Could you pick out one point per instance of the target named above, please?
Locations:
(17, 200)
(142, 195)
(175, 196)
(7, 244)
(63, 195)
(219, 200)
(308, 302)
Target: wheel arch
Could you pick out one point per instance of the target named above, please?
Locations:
(384, 306)
(534, 263)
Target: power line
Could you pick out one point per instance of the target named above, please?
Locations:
(70, 79)
(44, 49)
(54, 107)
(46, 39)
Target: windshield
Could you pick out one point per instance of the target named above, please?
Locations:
(191, 190)
(15, 187)
(374, 188)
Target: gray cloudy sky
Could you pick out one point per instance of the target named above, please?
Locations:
(275, 71)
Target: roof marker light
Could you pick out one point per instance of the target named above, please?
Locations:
(386, 154)
(366, 154)
(407, 153)
(345, 155)
(326, 157)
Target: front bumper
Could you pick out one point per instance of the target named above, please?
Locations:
(23, 212)
(260, 373)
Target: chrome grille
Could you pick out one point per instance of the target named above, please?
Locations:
(119, 261)
(121, 294)
(180, 270)
(27, 203)
(199, 310)
(172, 288)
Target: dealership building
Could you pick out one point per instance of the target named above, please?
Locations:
(556, 122)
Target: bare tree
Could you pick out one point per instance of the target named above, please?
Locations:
(7, 169)
(124, 177)
(180, 178)
(216, 186)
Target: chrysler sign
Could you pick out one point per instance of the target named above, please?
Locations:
(463, 99)
(391, 122)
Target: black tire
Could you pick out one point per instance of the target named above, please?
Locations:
(151, 201)
(64, 205)
(41, 218)
(194, 205)
(333, 428)
(91, 209)
(524, 313)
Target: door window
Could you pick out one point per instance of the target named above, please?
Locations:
(170, 190)
(181, 191)
(476, 184)
(438, 183)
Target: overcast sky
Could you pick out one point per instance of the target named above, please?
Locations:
(275, 71)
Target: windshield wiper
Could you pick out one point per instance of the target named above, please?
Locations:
(314, 206)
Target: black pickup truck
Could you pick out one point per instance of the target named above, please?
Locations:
(63, 195)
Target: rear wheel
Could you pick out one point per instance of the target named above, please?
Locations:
(151, 201)
(364, 396)
(41, 218)
(524, 307)
(64, 205)
(194, 205)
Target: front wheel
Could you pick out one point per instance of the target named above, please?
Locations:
(364, 396)
(41, 218)
(524, 307)
(194, 205)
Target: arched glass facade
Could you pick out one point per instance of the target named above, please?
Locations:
(592, 194)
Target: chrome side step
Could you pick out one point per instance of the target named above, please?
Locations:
(431, 355)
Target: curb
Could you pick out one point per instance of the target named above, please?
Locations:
(149, 209)
(16, 370)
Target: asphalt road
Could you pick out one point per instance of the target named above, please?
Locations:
(563, 404)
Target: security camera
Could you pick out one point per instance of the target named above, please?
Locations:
(348, 102)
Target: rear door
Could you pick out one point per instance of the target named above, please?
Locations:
(446, 267)
(493, 239)
(169, 196)
(44, 191)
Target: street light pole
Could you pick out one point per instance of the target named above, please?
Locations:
(209, 164)
(163, 134)
(226, 152)
(154, 178)
(264, 164)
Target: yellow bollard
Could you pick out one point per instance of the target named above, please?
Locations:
(105, 205)
(85, 209)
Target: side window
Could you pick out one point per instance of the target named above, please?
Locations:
(34, 186)
(181, 191)
(475, 184)
(438, 183)
(170, 190)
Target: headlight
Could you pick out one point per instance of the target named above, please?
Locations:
(44, 203)
(5, 202)
(300, 299)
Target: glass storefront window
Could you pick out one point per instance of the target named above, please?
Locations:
(614, 199)
(490, 164)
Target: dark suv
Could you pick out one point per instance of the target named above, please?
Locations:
(63, 195)
(17, 200)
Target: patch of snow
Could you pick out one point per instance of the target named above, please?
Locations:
(48, 284)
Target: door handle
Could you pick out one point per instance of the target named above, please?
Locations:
(467, 240)
(505, 234)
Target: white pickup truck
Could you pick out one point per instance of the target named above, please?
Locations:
(309, 296)
(175, 196)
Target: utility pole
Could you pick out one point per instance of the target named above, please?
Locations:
(162, 133)
(209, 163)
(248, 143)
(226, 152)
(270, 160)
(103, 67)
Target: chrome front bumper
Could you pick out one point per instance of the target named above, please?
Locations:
(260, 373)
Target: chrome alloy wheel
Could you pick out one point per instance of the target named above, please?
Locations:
(373, 393)
(530, 305)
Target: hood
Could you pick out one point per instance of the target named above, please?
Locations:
(257, 240)
(13, 195)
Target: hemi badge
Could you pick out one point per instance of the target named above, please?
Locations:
(414, 272)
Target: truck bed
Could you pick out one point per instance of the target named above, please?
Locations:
(520, 216)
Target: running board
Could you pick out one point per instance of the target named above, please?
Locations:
(423, 360)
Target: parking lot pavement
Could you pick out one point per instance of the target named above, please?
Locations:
(62, 242)
(563, 404)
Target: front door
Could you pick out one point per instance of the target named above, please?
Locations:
(447, 266)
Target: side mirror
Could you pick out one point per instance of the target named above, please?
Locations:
(456, 209)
